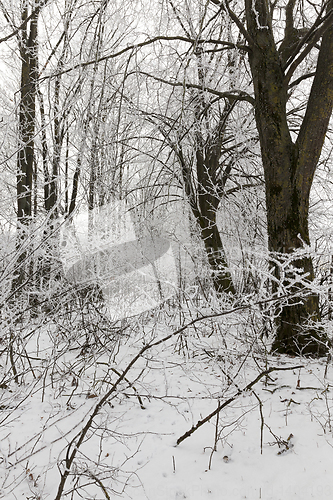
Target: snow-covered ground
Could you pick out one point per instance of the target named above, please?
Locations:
(271, 442)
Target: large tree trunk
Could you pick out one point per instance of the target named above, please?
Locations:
(288, 232)
(289, 169)
(204, 187)
(208, 200)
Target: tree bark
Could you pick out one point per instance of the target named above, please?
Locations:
(289, 169)
(27, 112)
(204, 190)
(211, 237)
(28, 46)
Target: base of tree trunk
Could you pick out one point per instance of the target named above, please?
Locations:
(307, 343)
(222, 282)
(297, 337)
(221, 276)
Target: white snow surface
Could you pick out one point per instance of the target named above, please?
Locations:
(131, 449)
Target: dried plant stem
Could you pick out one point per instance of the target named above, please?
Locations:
(262, 421)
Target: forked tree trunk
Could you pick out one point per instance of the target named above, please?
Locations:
(289, 168)
(204, 188)
(204, 204)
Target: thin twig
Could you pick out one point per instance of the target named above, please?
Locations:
(216, 437)
(262, 420)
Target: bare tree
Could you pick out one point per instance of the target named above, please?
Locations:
(193, 109)
(280, 52)
(290, 165)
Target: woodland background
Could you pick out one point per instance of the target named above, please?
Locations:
(210, 123)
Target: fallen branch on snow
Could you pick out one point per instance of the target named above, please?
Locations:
(232, 398)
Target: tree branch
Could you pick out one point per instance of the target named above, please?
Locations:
(236, 95)
(25, 22)
(136, 46)
(319, 109)
(312, 36)
(232, 398)
(236, 20)
(300, 79)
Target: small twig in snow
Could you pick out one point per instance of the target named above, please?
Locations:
(262, 420)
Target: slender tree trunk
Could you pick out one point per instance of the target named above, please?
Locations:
(211, 237)
(75, 187)
(52, 202)
(25, 159)
(66, 170)
(28, 45)
(45, 154)
(204, 205)
(204, 189)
